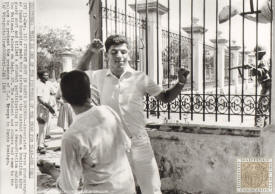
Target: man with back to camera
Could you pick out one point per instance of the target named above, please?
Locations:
(123, 89)
(93, 148)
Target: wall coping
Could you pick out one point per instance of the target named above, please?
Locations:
(206, 129)
(151, 6)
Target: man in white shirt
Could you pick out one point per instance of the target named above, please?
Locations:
(94, 147)
(123, 89)
(53, 91)
(44, 108)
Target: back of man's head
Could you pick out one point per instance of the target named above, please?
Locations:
(62, 74)
(75, 88)
(115, 39)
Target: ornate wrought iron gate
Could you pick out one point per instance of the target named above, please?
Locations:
(167, 35)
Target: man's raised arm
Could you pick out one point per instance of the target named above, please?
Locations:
(95, 47)
(170, 94)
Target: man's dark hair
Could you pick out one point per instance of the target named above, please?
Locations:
(115, 40)
(62, 74)
(75, 87)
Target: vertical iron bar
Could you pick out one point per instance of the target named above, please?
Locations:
(168, 106)
(256, 81)
(242, 101)
(180, 53)
(229, 72)
(203, 61)
(136, 47)
(106, 20)
(147, 59)
(192, 97)
(216, 98)
(158, 114)
(125, 13)
(116, 16)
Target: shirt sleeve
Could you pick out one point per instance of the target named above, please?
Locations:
(90, 75)
(58, 93)
(95, 98)
(151, 87)
(51, 87)
(95, 95)
(71, 167)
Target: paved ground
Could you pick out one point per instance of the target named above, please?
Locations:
(45, 184)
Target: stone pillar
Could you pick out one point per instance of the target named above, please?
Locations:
(197, 53)
(67, 61)
(235, 62)
(221, 62)
(154, 55)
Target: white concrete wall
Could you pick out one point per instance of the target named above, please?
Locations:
(206, 163)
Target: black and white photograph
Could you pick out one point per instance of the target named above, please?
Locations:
(139, 96)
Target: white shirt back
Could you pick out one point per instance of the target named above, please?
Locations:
(94, 148)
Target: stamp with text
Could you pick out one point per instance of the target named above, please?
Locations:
(254, 175)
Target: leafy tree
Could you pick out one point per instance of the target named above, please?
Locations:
(50, 43)
(173, 57)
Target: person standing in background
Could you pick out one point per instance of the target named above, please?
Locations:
(51, 84)
(44, 108)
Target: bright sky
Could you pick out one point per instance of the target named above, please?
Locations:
(60, 13)
(74, 13)
(236, 22)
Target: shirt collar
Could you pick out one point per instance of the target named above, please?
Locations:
(128, 69)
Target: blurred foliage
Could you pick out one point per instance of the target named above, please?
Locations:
(50, 43)
(170, 56)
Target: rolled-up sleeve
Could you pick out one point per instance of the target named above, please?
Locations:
(71, 167)
(95, 99)
(151, 87)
